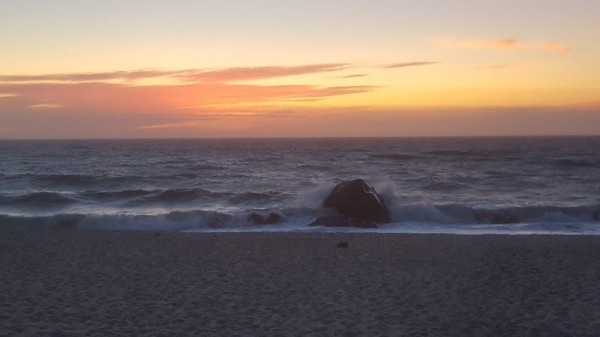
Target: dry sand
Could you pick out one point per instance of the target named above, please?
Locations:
(93, 283)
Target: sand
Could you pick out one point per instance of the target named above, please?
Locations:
(95, 283)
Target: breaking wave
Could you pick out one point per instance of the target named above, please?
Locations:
(296, 217)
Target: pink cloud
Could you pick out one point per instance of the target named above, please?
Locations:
(101, 110)
(142, 99)
(555, 47)
(198, 92)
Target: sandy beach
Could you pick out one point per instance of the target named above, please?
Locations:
(102, 283)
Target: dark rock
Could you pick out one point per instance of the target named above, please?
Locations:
(342, 221)
(343, 244)
(271, 219)
(357, 199)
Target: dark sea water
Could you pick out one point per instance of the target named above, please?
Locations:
(448, 185)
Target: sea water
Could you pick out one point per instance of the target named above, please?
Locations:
(429, 185)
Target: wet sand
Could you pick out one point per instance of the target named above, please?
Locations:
(102, 283)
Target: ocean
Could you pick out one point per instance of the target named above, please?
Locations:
(430, 185)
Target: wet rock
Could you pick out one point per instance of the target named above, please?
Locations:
(342, 221)
(357, 199)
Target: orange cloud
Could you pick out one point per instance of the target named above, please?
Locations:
(508, 43)
(555, 47)
(185, 76)
(255, 73)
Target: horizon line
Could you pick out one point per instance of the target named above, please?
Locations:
(301, 138)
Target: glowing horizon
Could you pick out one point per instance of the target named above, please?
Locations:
(287, 68)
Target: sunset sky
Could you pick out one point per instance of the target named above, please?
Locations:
(282, 68)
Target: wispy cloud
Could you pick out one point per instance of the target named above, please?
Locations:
(90, 77)
(189, 124)
(184, 76)
(556, 47)
(256, 73)
(43, 106)
(335, 91)
(506, 43)
(409, 64)
(351, 76)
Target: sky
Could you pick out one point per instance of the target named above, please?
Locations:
(291, 68)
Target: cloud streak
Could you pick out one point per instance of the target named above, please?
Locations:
(409, 64)
(257, 73)
(197, 76)
(351, 76)
(89, 77)
(184, 76)
(506, 44)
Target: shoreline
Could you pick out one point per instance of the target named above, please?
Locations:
(100, 283)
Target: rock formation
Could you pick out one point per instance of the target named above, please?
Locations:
(357, 199)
